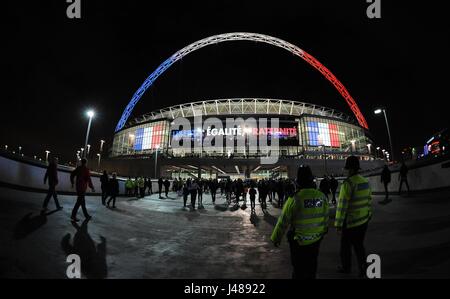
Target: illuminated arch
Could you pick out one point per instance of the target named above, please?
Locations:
(240, 36)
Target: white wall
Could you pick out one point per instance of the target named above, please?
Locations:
(420, 179)
(22, 174)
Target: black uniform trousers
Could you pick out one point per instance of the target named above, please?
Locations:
(353, 237)
(303, 258)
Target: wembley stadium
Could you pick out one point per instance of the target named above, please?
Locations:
(304, 132)
(166, 141)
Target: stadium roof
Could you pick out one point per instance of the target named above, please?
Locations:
(240, 106)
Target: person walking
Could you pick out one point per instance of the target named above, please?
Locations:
(129, 186)
(252, 194)
(353, 213)
(307, 214)
(213, 189)
(104, 183)
(193, 188)
(141, 185)
(136, 187)
(333, 188)
(403, 178)
(51, 175)
(160, 184)
(113, 190)
(186, 192)
(166, 187)
(83, 180)
(324, 186)
(386, 179)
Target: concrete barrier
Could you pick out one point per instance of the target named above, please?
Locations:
(29, 175)
(433, 176)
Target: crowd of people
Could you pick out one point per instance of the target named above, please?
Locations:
(305, 205)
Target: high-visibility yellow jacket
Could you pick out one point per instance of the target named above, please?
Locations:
(141, 183)
(354, 206)
(307, 213)
(129, 184)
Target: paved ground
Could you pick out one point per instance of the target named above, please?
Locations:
(153, 238)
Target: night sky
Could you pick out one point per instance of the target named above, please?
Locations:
(54, 68)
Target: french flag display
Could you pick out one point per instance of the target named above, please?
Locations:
(323, 134)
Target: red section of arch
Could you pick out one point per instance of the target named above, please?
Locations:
(339, 86)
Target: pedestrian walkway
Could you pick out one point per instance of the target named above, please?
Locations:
(157, 238)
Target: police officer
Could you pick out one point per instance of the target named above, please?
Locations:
(353, 213)
(307, 215)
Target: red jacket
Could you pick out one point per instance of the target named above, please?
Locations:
(83, 179)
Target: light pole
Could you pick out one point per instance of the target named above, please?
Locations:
(99, 158)
(90, 114)
(156, 160)
(383, 110)
(6, 147)
(378, 152)
(88, 149)
(353, 145)
(325, 159)
(46, 156)
(130, 142)
(101, 145)
(369, 146)
(20, 150)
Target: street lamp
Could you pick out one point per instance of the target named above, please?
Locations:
(6, 147)
(130, 141)
(88, 149)
(324, 158)
(101, 145)
(353, 145)
(90, 114)
(369, 146)
(383, 110)
(156, 159)
(99, 158)
(20, 150)
(46, 155)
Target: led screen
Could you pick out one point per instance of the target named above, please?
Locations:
(323, 134)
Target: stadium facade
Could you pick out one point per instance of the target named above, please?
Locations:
(302, 131)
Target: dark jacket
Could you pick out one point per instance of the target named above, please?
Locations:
(386, 175)
(104, 180)
(51, 175)
(113, 187)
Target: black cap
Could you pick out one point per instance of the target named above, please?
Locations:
(304, 175)
(352, 162)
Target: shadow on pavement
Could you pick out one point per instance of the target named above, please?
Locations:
(221, 207)
(415, 261)
(28, 224)
(93, 257)
(272, 220)
(254, 219)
